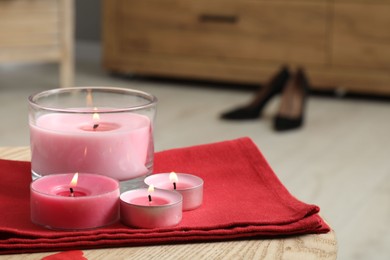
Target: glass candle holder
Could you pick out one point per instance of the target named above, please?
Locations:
(100, 130)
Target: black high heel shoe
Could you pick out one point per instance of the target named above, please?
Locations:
(292, 104)
(253, 109)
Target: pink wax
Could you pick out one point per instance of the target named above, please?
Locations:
(94, 202)
(189, 186)
(164, 209)
(117, 146)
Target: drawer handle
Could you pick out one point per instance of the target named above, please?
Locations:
(217, 18)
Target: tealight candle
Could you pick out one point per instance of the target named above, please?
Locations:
(63, 201)
(189, 186)
(149, 208)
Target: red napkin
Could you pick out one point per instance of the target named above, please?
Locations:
(243, 198)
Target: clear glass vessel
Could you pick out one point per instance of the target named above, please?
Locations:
(101, 130)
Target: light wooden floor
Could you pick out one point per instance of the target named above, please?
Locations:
(339, 160)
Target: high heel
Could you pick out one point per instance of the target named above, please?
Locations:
(292, 104)
(254, 109)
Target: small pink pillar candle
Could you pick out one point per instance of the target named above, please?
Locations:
(143, 208)
(115, 144)
(59, 203)
(189, 186)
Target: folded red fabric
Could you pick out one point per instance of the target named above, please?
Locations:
(243, 198)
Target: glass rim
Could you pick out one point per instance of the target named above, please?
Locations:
(152, 100)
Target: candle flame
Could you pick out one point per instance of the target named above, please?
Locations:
(74, 179)
(151, 188)
(173, 177)
(95, 119)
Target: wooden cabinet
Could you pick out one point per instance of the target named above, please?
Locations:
(38, 31)
(246, 41)
(361, 36)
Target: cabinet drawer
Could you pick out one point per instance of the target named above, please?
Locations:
(224, 29)
(361, 35)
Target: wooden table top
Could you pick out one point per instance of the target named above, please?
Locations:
(318, 246)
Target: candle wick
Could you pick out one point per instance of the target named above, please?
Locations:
(174, 185)
(95, 126)
(71, 192)
(150, 198)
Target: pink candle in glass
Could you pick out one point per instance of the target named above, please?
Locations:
(116, 146)
(57, 202)
(146, 208)
(189, 186)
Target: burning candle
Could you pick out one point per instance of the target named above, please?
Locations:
(74, 201)
(107, 131)
(149, 208)
(71, 192)
(116, 146)
(189, 186)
